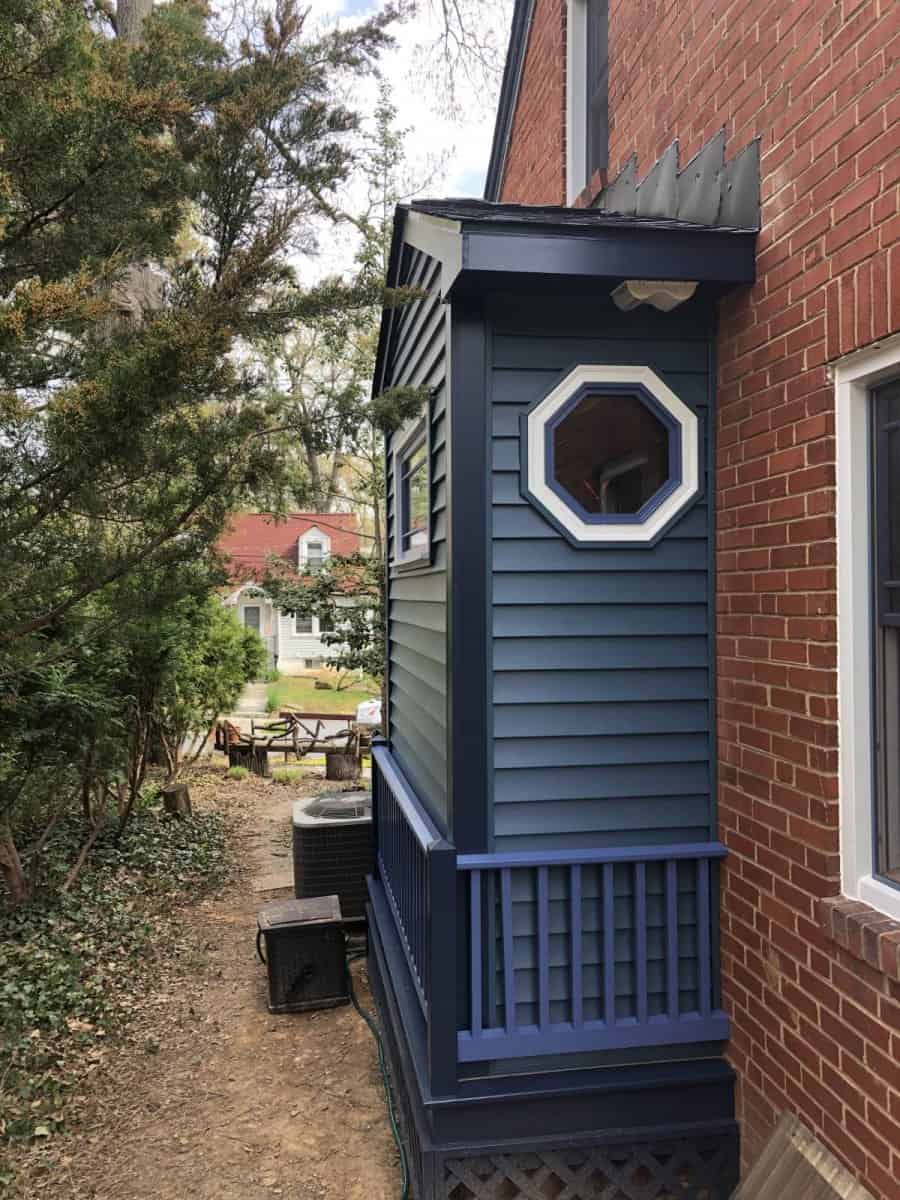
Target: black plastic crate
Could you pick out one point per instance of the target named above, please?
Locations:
(304, 954)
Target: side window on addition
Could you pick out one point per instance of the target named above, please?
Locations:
(412, 495)
(886, 625)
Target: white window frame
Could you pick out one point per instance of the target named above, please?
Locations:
(311, 632)
(854, 377)
(312, 535)
(576, 99)
(405, 442)
(538, 488)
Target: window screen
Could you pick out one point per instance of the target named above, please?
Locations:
(886, 559)
(302, 624)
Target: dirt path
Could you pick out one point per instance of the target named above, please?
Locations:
(212, 1097)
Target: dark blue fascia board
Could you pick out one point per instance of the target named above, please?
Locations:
(649, 252)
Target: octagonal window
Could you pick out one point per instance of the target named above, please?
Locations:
(610, 453)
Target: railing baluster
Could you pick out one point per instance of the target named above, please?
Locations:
(672, 938)
(475, 949)
(509, 983)
(640, 950)
(575, 943)
(609, 947)
(543, 905)
(704, 998)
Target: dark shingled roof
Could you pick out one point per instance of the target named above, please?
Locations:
(554, 215)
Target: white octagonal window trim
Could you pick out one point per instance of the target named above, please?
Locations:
(650, 514)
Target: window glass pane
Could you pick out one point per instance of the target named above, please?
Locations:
(888, 756)
(314, 555)
(303, 624)
(886, 557)
(415, 498)
(893, 516)
(597, 76)
(611, 454)
(326, 625)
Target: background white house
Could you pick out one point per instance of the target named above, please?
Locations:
(304, 540)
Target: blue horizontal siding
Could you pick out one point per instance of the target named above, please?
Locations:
(536, 687)
(598, 653)
(417, 610)
(599, 749)
(601, 658)
(593, 718)
(536, 621)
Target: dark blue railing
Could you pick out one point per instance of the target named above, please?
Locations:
(557, 1017)
(410, 853)
(567, 950)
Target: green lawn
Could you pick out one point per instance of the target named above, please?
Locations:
(300, 692)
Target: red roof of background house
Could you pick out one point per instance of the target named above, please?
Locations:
(252, 537)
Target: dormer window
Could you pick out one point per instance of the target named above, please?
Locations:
(312, 550)
(587, 93)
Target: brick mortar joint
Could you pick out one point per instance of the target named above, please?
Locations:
(863, 931)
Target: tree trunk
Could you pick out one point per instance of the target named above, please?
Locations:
(11, 867)
(341, 764)
(130, 16)
(177, 799)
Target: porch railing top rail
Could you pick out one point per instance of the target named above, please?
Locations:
(420, 823)
(603, 854)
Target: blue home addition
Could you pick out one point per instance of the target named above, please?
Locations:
(544, 906)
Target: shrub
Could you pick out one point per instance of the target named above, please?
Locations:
(272, 701)
(286, 774)
(272, 675)
(71, 962)
(237, 772)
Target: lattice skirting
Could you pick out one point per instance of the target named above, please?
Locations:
(679, 1170)
(703, 1166)
(682, 1169)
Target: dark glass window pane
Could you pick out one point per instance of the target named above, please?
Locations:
(303, 624)
(597, 77)
(893, 512)
(326, 625)
(414, 498)
(611, 454)
(886, 491)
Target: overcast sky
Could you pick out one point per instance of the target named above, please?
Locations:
(463, 139)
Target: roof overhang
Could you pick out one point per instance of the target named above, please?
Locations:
(483, 246)
(476, 241)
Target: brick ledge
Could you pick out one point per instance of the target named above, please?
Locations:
(864, 932)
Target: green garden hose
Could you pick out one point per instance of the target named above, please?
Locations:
(385, 1078)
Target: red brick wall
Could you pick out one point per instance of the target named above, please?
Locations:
(535, 168)
(816, 1027)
